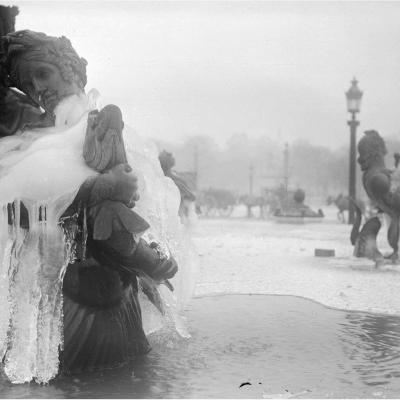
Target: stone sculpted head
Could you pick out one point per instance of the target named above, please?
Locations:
(371, 149)
(167, 161)
(45, 68)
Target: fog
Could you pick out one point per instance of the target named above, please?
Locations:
(224, 85)
(264, 69)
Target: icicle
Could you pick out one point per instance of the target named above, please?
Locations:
(24, 299)
(17, 217)
(5, 254)
(84, 234)
(53, 260)
(44, 171)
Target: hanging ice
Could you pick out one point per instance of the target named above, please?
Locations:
(41, 171)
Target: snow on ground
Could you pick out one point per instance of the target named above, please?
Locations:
(242, 256)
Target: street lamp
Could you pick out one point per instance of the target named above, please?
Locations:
(353, 97)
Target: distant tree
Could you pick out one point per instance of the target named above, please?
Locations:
(203, 151)
(318, 170)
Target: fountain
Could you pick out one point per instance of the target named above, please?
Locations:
(83, 277)
(293, 210)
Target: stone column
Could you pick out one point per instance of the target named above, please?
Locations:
(7, 19)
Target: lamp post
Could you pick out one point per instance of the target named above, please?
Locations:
(196, 166)
(353, 97)
(251, 173)
(286, 168)
(250, 198)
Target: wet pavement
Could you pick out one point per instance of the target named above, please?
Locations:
(244, 256)
(252, 347)
(269, 320)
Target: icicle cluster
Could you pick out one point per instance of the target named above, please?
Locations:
(32, 266)
(40, 173)
(44, 170)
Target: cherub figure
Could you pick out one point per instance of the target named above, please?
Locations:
(102, 282)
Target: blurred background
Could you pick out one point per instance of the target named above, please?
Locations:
(248, 96)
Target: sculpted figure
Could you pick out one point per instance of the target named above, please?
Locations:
(102, 281)
(294, 206)
(72, 188)
(45, 68)
(299, 197)
(17, 110)
(167, 162)
(364, 240)
(342, 203)
(379, 183)
(104, 146)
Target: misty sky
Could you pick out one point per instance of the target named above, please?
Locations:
(278, 69)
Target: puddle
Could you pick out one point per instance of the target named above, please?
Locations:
(252, 346)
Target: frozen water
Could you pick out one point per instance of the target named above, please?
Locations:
(285, 346)
(43, 169)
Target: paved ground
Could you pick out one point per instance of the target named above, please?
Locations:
(240, 255)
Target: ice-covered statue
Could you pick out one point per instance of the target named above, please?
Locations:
(82, 273)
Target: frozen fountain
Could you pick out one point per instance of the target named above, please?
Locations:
(66, 212)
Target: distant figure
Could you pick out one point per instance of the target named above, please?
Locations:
(342, 203)
(215, 201)
(251, 201)
(187, 207)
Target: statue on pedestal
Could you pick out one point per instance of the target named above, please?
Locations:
(293, 206)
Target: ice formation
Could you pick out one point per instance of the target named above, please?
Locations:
(43, 169)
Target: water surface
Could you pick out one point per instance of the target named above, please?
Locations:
(252, 346)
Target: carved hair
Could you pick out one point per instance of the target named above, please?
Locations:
(372, 145)
(37, 46)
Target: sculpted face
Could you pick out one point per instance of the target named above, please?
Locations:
(44, 83)
(364, 159)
